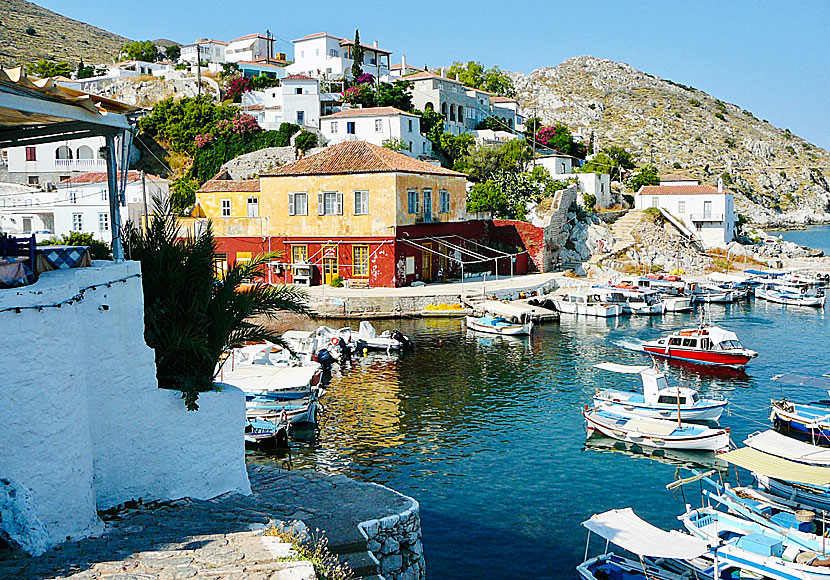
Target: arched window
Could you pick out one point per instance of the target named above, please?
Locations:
(429, 106)
(510, 123)
(460, 114)
(63, 152)
(452, 112)
(444, 110)
(85, 152)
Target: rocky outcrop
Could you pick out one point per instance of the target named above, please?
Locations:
(252, 165)
(777, 176)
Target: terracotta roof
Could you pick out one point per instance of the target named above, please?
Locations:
(429, 75)
(677, 177)
(247, 36)
(101, 177)
(213, 40)
(680, 190)
(359, 157)
(500, 99)
(249, 62)
(368, 112)
(229, 185)
(299, 78)
(364, 45)
(342, 41)
(315, 35)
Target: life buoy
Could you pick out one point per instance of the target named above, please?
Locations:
(334, 340)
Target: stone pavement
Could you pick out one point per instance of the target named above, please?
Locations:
(213, 539)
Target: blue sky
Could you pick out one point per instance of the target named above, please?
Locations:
(772, 58)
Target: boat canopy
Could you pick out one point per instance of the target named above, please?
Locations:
(778, 467)
(774, 443)
(625, 369)
(721, 277)
(625, 529)
(719, 335)
(761, 273)
(797, 380)
(263, 378)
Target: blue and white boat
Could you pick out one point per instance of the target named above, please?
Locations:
(792, 291)
(660, 433)
(498, 325)
(812, 420)
(658, 400)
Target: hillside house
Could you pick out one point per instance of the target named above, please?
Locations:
(561, 166)
(706, 211)
(209, 50)
(297, 100)
(250, 47)
(325, 56)
(377, 125)
(50, 163)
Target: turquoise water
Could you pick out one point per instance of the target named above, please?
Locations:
(486, 432)
(817, 237)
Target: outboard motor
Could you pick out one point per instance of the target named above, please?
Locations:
(325, 358)
(401, 337)
(345, 351)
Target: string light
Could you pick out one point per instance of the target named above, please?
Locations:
(71, 300)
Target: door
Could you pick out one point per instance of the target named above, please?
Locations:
(427, 206)
(426, 261)
(329, 270)
(707, 210)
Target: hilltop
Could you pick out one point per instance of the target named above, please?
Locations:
(778, 177)
(51, 36)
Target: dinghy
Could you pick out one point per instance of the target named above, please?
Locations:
(367, 337)
(498, 325)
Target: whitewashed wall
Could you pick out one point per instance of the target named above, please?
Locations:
(83, 423)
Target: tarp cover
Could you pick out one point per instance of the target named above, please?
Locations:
(264, 378)
(803, 380)
(618, 368)
(721, 277)
(777, 467)
(773, 443)
(626, 530)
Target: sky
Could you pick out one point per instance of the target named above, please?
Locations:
(770, 57)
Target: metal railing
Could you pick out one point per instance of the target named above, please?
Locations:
(706, 217)
(80, 163)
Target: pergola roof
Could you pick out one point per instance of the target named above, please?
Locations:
(36, 111)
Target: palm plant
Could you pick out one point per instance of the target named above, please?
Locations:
(191, 316)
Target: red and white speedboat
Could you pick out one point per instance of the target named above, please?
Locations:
(708, 345)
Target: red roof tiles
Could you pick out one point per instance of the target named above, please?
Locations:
(359, 157)
(680, 190)
(368, 112)
(230, 185)
(101, 177)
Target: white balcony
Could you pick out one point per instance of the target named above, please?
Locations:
(81, 164)
(706, 217)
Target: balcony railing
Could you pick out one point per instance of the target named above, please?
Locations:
(706, 217)
(80, 163)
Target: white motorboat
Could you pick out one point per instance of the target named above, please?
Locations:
(671, 289)
(367, 337)
(660, 433)
(587, 304)
(633, 300)
(710, 293)
(792, 292)
(658, 400)
(498, 325)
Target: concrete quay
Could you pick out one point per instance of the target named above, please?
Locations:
(217, 539)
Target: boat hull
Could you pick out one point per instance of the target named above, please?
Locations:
(506, 330)
(791, 300)
(715, 441)
(678, 304)
(814, 425)
(704, 357)
(714, 298)
(806, 495)
(709, 412)
(610, 311)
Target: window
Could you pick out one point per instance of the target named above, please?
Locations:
(667, 400)
(73, 197)
(361, 203)
(316, 52)
(77, 222)
(330, 203)
(333, 52)
(350, 127)
(104, 195)
(410, 146)
(298, 203)
(460, 114)
(253, 207)
(220, 263)
(444, 201)
(63, 178)
(690, 342)
(674, 341)
(299, 254)
(360, 259)
(302, 54)
(409, 125)
(33, 180)
(298, 91)
(31, 154)
(63, 152)
(300, 117)
(378, 125)
(655, 201)
(334, 127)
(226, 208)
(681, 207)
(244, 256)
(103, 222)
(412, 201)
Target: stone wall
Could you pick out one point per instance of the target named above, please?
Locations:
(553, 223)
(83, 423)
(396, 543)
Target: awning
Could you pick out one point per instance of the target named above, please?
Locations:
(625, 369)
(773, 443)
(721, 277)
(778, 467)
(625, 529)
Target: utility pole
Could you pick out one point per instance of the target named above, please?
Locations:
(535, 128)
(198, 70)
(144, 196)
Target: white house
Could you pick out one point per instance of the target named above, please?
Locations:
(119, 70)
(80, 204)
(209, 50)
(377, 125)
(706, 211)
(251, 47)
(296, 100)
(561, 166)
(323, 55)
(55, 162)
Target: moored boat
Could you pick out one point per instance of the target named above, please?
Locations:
(633, 300)
(498, 325)
(658, 400)
(792, 293)
(705, 344)
(587, 304)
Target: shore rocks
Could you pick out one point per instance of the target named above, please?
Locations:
(396, 542)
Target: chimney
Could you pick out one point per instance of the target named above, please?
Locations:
(403, 64)
(720, 185)
(375, 43)
(443, 71)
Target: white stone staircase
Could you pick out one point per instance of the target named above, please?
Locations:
(621, 230)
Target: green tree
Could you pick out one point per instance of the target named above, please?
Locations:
(396, 144)
(474, 75)
(487, 197)
(305, 140)
(190, 317)
(453, 147)
(482, 162)
(357, 56)
(647, 175)
(183, 194)
(173, 52)
(622, 157)
(141, 50)
(84, 71)
(48, 68)
(179, 121)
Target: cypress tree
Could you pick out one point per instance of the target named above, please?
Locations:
(357, 57)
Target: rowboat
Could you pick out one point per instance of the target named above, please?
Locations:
(655, 432)
(708, 345)
(792, 294)
(587, 304)
(658, 400)
(498, 325)
(812, 420)
(670, 288)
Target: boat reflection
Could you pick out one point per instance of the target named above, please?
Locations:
(678, 458)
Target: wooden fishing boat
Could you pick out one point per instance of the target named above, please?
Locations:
(655, 432)
(792, 293)
(658, 400)
(709, 345)
(587, 304)
(498, 325)
(812, 420)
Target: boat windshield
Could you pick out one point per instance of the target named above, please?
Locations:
(694, 398)
(730, 344)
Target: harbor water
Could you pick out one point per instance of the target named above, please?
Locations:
(486, 432)
(817, 237)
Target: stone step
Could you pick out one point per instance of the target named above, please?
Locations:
(360, 563)
(348, 543)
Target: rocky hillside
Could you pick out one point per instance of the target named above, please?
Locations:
(779, 177)
(29, 33)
